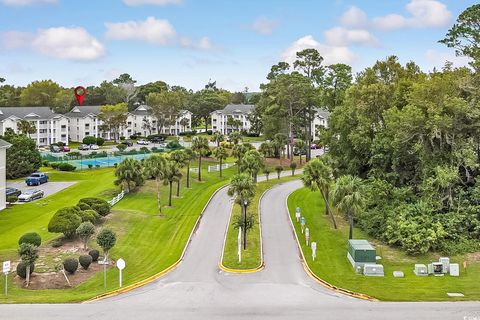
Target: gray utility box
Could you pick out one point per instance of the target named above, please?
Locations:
(361, 252)
(373, 270)
(421, 270)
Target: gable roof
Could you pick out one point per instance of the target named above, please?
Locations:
(232, 109)
(322, 113)
(142, 110)
(83, 111)
(27, 113)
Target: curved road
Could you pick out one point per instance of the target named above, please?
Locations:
(197, 289)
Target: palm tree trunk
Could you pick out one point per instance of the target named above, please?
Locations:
(199, 168)
(170, 194)
(327, 209)
(159, 204)
(220, 167)
(244, 226)
(188, 174)
(350, 221)
(178, 188)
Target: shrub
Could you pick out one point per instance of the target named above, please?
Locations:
(85, 231)
(279, 170)
(66, 221)
(60, 144)
(293, 166)
(99, 205)
(70, 265)
(89, 140)
(90, 166)
(32, 238)
(100, 141)
(57, 243)
(97, 166)
(115, 164)
(45, 163)
(22, 158)
(12, 199)
(106, 239)
(66, 167)
(174, 144)
(121, 147)
(85, 261)
(54, 165)
(89, 215)
(22, 269)
(94, 254)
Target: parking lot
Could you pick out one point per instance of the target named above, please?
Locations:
(49, 188)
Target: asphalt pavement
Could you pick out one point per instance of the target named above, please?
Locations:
(198, 289)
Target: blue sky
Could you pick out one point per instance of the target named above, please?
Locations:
(188, 42)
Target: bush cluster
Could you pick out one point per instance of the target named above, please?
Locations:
(64, 166)
(99, 205)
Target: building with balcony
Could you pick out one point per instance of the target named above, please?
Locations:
(50, 127)
(234, 117)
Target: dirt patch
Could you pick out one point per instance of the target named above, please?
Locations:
(56, 280)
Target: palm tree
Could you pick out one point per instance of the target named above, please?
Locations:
(252, 163)
(239, 150)
(200, 146)
(130, 174)
(267, 172)
(301, 147)
(220, 153)
(218, 137)
(317, 175)
(189, 156)
(180, 158)
(279, 170)
(184, 123)
(349, 197)
(171, 173)
(243, 188)
(26, 127)
(155, 168)
(235, 137)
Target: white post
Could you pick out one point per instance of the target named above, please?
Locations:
(239, 244)
(120, 278)
(38, 133)
(6, 283)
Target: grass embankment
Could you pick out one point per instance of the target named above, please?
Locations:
(147, 242)
(251, 258)
(332, 265)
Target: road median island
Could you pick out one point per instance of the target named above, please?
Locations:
(252, 258)
(332, 269)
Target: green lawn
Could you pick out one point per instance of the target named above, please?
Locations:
(148, 243)
(251, 258)
(332, 264)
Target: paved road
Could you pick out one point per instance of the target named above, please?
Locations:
(197, 289)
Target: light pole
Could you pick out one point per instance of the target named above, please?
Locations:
(245, 203)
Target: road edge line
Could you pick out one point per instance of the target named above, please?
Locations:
(164, 271)
(309, 271)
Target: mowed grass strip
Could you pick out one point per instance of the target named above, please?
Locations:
(147, 242)
(332, 265)
(251, 258)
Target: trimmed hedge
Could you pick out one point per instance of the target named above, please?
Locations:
(65, 220)
(85, 261)
(89, 215)
(66, 167)
(70, 265)
(99, 205)
(94, 254)
(22, 269)
(32, 238)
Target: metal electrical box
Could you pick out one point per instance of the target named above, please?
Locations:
(361, 252)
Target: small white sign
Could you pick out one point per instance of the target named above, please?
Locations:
(314, 250)
(6, 266)
(297, 215)
(307, 232)
(121, 264)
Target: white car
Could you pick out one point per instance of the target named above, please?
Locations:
(30, 195)
(94, 147)
(144, 142)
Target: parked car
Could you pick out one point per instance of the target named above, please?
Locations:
(297, 152)
(94, 147)
(84, 147)
(127, 143)
(31, 195)
(36, 179)
(66, 149)
(55, 148)
(141, 141)
(314, 146)
(12, 192)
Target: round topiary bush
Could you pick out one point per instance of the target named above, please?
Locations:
(83, 206)
(101, 206)
(70, 265)
(22, 269)
(94, 254)
(32, 238)
(85, 261)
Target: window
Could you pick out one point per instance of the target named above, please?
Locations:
(64, 136)
(64, 126)
(43, 122)
(87, 133)
(129, 123)
(87, 125)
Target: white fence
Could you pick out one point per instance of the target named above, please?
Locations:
(116, 198)
(217, 167)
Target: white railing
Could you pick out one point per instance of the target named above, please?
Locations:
(117, 198)
(194, 170)
(217, 167)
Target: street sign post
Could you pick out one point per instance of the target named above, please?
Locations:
(302, 223)
(120, 266)
(6, 270)
(297, 214)
(239, 240)
(314, 250)
(307, 235)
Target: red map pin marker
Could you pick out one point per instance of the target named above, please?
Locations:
(80, 94)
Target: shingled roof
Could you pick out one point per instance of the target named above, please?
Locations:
(27, 113)
(83, 111)
(232, 109)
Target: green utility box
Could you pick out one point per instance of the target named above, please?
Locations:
(361, 252)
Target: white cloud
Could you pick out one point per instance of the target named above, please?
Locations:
(61, 42)
(153, 2)
(354, 18)
(264, 26)
(340, 36)
(437, 59)
(21, 3)
(424, 14)
(331, 54)
(151, 30)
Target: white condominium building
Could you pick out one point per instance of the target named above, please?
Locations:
(238, 115)
(50, 127)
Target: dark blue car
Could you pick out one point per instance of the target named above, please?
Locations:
(36, 179)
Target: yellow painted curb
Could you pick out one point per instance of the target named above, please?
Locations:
(163, 272)
(313, 275)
